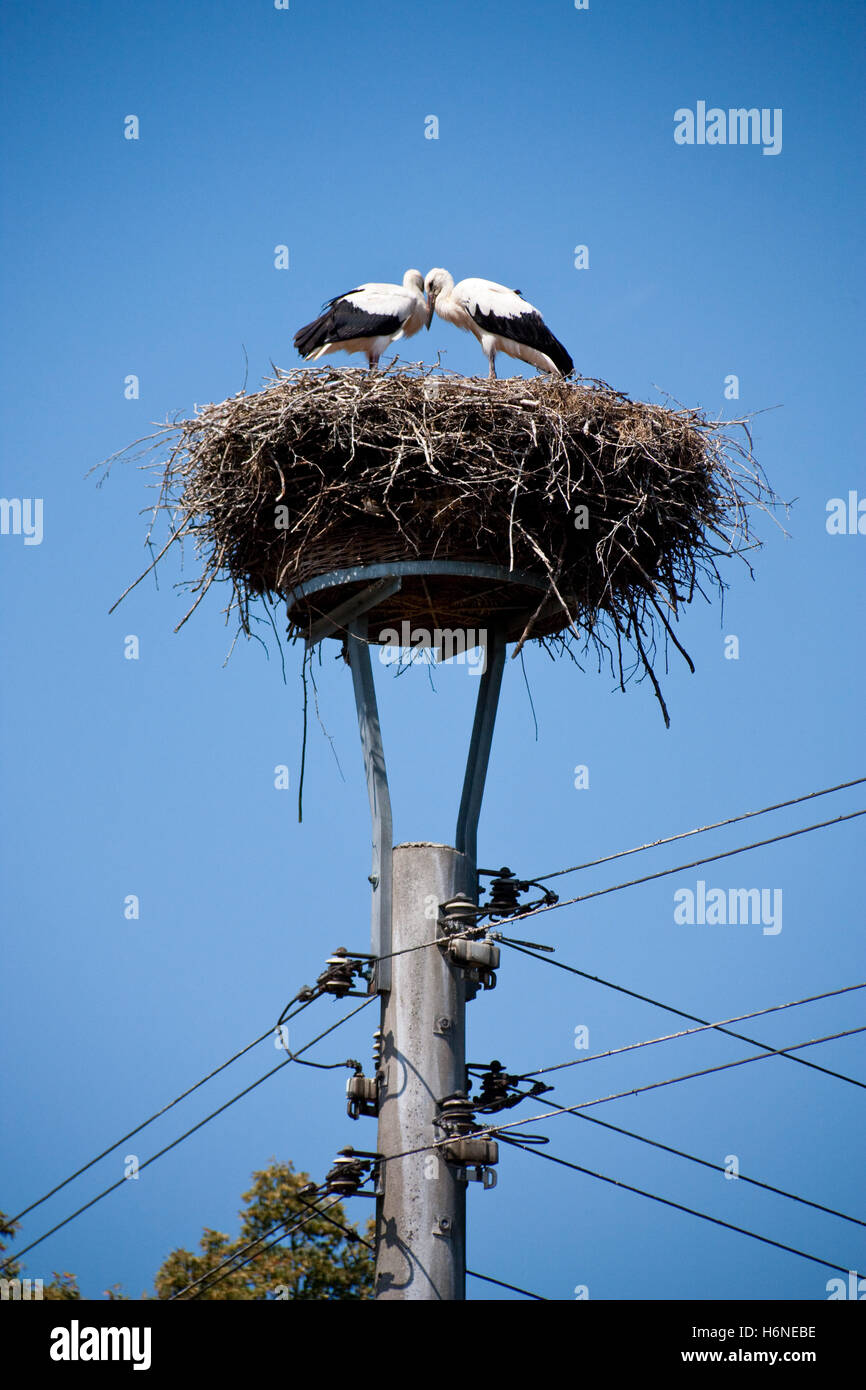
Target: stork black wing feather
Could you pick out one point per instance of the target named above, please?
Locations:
(329, 303)
(529, 329)
(342, 321)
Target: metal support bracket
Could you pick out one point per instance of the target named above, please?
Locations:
(479, 746)
(353, 616)
(380, 799)
(354, 607)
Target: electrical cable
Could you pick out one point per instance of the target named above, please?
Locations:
(716, 1167)
(679, 868)
(727, 854)
(422, 946)
(502, 1284)
(688, 1032)
(145, 1123)
(495, 1131)
(515, 918)
(631, 883)
(265, 1248)
(670, 1008)
(228, 1260)
(349, 1233)
(700, 829)
(18, 1253)
(287, 1017)
(328, 1066)
(691, 1211)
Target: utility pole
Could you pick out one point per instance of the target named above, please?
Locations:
(421, 1210)
(428, 962)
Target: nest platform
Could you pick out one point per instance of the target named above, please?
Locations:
(562, 512)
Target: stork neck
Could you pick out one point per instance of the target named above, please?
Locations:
(448, 308)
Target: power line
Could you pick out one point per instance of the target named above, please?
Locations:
(688, 1032)
(502, 1284)
(701, 829)
(183, 1095)
(494, 1130)
(716, 1167)
(325, 1066)
(515, 918)
(349, 1233)
(174, 1143)
(687, 1076)
(669, 1008)
(629, 883)
(228, 1259)
(422, 946)
(647, 878)
(265, 1248)
(148, 1161)
(679, 868)
(691, 1211)
(286, 1017)
(354, 1236)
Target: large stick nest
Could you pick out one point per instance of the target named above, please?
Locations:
(619, 510)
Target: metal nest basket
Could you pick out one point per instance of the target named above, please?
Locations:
(553, 511)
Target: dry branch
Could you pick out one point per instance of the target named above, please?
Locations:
(414, 464)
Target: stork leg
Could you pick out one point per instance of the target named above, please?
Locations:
(373, 360)
(491, 375)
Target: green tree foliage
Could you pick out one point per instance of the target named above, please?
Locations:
(8, 1229)
(317, 1262)
(62, 1286)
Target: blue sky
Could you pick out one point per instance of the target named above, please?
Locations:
(155, 777)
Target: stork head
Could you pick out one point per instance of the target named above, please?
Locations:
(437, 281)
(414, 280)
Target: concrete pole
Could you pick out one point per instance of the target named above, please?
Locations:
(421, 1212)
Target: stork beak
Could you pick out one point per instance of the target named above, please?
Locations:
(431, 305)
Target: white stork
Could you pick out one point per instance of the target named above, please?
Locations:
(366, 319)
(500, 318)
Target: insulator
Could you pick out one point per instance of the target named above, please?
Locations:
(458, 914)
(363, 1094)
(346, 1175)
(495, 1088)
(338, 976)
(505, 892)
(456, 1115)
(469, 1153)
